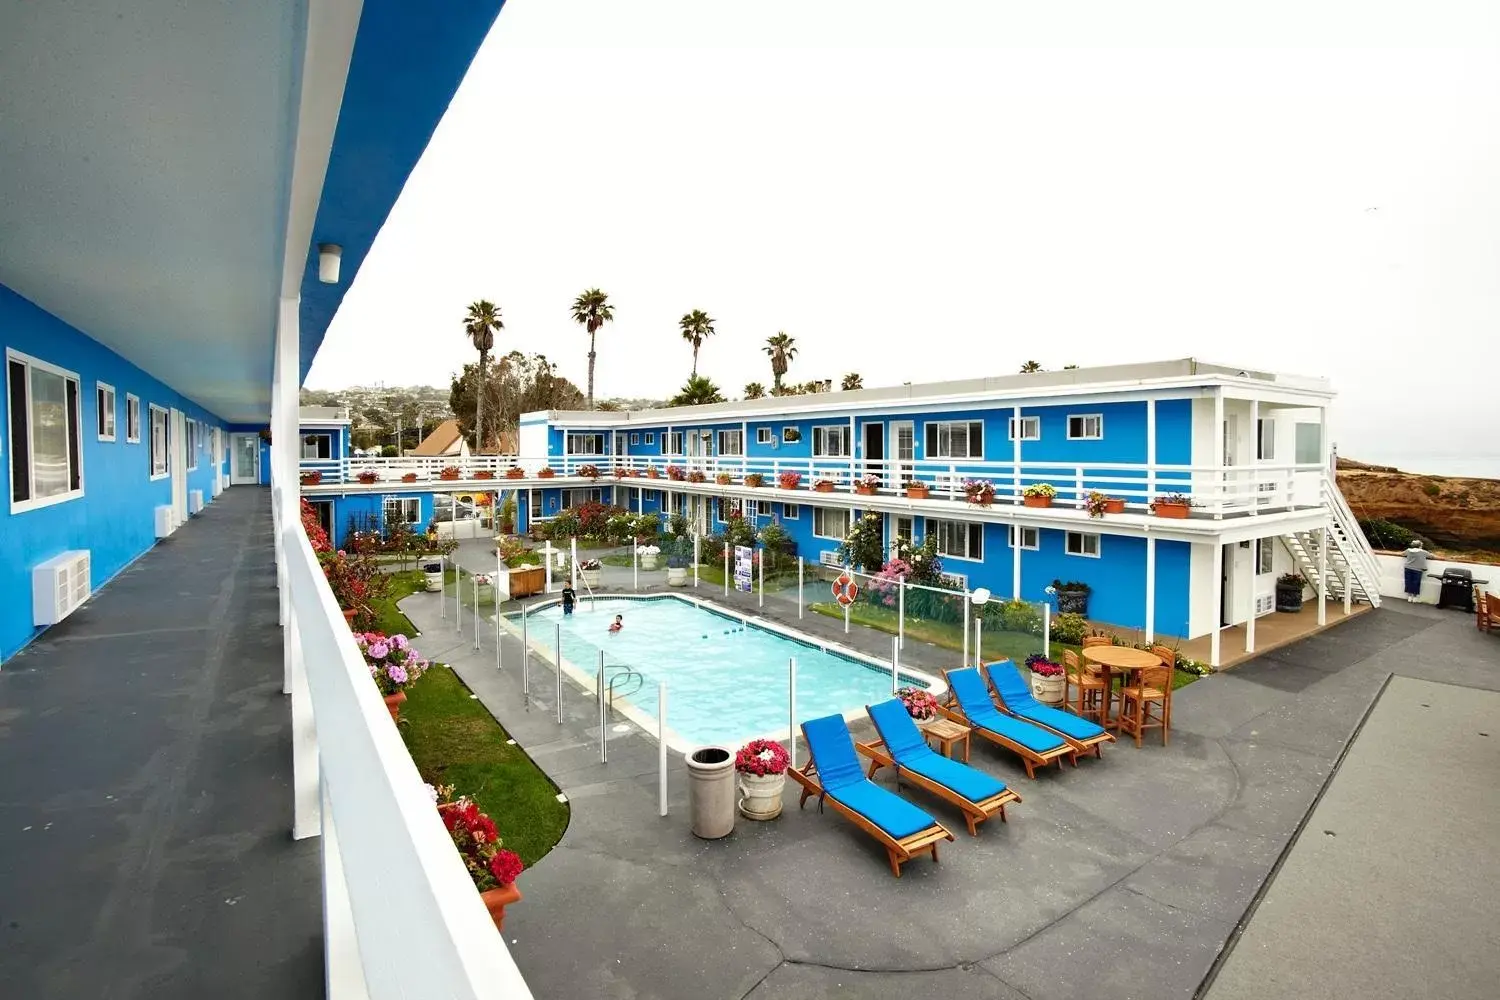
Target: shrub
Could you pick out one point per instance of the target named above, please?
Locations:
(1070, 628)
(620, 527)
(1431, 489)
(564, 526)
(647, 526)
(593, 519)
(389, 451)
(1020, 616)
(864, 548)
(677, 525)
(779, 546)
(514, 554)
(1383, 534)
(739, 531)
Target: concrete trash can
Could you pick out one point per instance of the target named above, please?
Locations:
(434, 577)
(711, 791)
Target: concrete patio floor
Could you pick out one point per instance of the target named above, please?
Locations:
(1120, 878)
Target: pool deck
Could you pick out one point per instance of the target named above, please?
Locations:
(1121, 878)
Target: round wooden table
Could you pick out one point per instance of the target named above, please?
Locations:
(1122, 660)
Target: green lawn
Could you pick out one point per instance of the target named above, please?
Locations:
(454, 740)
(713, 573)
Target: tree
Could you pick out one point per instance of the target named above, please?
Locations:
(754, 390)
(1031, 366)
(480, 326)
(782, 349)
(696, 326)
(608, 406)
(852, 381)
(695, 391)
(520, 383)
(1069, 367)
(591, 310)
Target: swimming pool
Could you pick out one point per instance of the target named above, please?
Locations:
(726, 679)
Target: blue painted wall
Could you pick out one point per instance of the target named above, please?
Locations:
(115, 517)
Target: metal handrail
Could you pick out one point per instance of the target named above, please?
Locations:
(626, 672)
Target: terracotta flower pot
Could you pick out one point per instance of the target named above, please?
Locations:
(448, 476)
(349, 614)
(311, 478)
(916, 491)
(545, 474)
(368, 478)
(410, 477)
(823, 488)
(486, 474)
(1114, 505)
(864, 491)
(1177, 510)
(515, 473)
(1036, 501)
(393, 704)
(496, 900)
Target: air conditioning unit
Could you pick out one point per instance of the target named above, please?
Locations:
(957, 581)
(830, 559)
(165, 520)
(59, 586)
(1264, 604)
(195, 501)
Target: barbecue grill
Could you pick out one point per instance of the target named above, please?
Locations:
(1457, 590)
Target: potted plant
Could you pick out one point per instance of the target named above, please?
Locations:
(979, 491)
(368, 476)
(697, 476)
(651, 472)
(723, 479)
(589, 471)
(515, 472)
(312, 478)
(679, 551)
(754, 480)
(676, 473)
(1038, 495)
(917, 490)
(409, 477)
(867, 484)
(588, 572)
(493, 869)
(823, 486)
(920, 705)
(485, 474)
(619, 472)
(450, 472)
(1048, 682)
(1072, 597)
(1176, 505)
(1099, 504)
(648, 554)
(789, 480)
(1289, 587)
(545, 472)
(762, 768)
(394, 666)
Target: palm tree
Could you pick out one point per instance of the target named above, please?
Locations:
(1069, 367)
(1031, 366)
(852, 381)
(591, 310)
(480, 326)
(697, 389)
(782, 350)
(696, 327)
(754, 390)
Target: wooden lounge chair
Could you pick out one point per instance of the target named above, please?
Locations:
(1015, 699)
(833, 775)
(903, 747)
(1033, 744)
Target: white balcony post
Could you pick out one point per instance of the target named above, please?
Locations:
(1323, 576)
(284, 429)
(1254, 484)
(853, 449)
(1217, 476)
(1016, 533)
(1217, 601)
(1150, 588)
(1015, 430)
(1150, 451)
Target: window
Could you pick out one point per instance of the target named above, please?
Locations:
(46, 447)
(831, 442)
(955, 439)
(192, 445)
(1265, 440)
(534, 508)
(104, 404)
(1264, 555)
(790, 435)
(957, 539)
(315, 446)
(789, 512)
(763, 435)
(731, 443)
(1081, 543)
(726, 509)
(752, 510)
(671, 442)
(830, 522)
(402, 510)
(585, 443)
(650, 437)
(132, 419)
(579, 496)
(954, 581)
(1030, 538)
(635, 439)
(1085, 427)
(158, 442)
(1309, 444)
(1031, 428)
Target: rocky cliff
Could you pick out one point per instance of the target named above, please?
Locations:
(1456, 515)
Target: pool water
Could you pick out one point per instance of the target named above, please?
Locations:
(726, 682)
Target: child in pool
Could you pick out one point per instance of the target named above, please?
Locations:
(568, 599)
(617, 624)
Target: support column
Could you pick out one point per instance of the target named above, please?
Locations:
(1150, 450)
(1217, 476)
(1150, 588)
(1250, 617)
(1015, 554)
(1218, 604)
(1323, 575)
(1254, 484)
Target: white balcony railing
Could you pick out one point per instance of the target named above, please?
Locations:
(1217, 490)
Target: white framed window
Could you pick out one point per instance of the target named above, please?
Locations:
(791, 435)
(159, 442)
(671, 442)
(401, 510)
(1030, 537)
(534, 507)
(727, 508)
(580, 495)
(731, 443)
(46, 442)
(1082, 543)
(1264, 556)
(650, 437)
(1265, 440)
(831, 442)
(104, 407)
(192, 444)
(635, 439)
(955, 439)
(831, 522)
(1085, 426)
(316, 446)
(763, 435)
(751, 510)
(1031, 428)
(957, 539)
(132, 419)
(584, 443)
(790, 512)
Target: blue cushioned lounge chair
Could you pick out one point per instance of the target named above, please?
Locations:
(903, 747)
(1014, 695)
(833, 774)
(1035, 746)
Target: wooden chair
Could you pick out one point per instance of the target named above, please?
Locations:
(1097, 640)
(1093, 701)
(1487, 612)
(1151, 687)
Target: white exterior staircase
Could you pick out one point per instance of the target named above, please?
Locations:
(1350, 561)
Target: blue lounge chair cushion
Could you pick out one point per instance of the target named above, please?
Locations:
(974, 698)
(1016, 695)
(832, 749)
(907, 747)
(887, 810)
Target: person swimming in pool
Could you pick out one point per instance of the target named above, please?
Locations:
(617, 624)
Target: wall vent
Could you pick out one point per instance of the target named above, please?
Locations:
(1264, 604)
(59, 586)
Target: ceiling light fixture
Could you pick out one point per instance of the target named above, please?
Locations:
(329, 256)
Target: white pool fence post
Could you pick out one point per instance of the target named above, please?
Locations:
(497, 611)
(695, 560)
(846, 618)
(791, 705)
(799, 588)
(557, 658)
(573, 562)
(476, 617)
(661, 746)
(1047, 630)
(895, 663)
(603, 713)
(963, 617)
(635, 566)
(726, 566)
(901, 611)
(762, 600)
(978, 641)
(525, 657)
(442, 577)
(458, 597)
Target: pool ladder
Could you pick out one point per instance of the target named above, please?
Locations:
(626, 673)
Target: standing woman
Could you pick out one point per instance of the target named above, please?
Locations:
(1416, 567)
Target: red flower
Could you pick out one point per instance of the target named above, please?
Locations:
(505, 866)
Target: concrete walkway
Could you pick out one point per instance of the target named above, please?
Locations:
(1121, 878)
(145, 801)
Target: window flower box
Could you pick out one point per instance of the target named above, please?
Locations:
(450, 473)
(589, 471)
(723, 479)
(696, 476)
(676, 473)
(981, 492)
(651, 472)
(754, 480)
(368, 476)
(917, 490)
(1038, 495)
(1172, 505)
(311, 478)
(789, 480)
(409, 477)
(545, 472)
(515, 472)
(823, 486)
(485, 474)
(866, 486)
(1099, 504)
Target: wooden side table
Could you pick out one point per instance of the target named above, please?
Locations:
(947, 733)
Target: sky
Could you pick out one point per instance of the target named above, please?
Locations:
(919, 192)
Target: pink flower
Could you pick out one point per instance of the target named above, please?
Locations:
(377, 650)
(397, 673)
(399, 641)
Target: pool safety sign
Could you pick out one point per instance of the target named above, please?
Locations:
(742, 567)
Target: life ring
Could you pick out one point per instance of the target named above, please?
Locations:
(845, 590)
